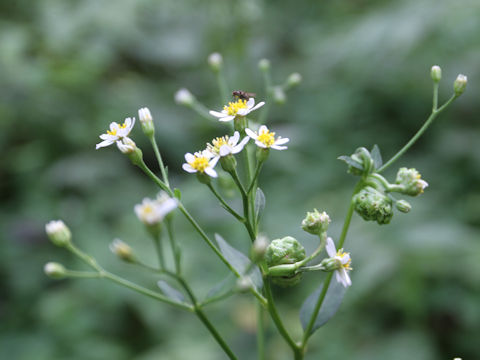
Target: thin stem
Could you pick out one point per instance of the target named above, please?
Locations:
(267, 80)
(222, 85)
(245, 203)
(435, 96)
(201, 110)
(323, 240)
(173, 245)
(260, 333)
(276, 318)
(225, 205)
(419, 133)
(157, 241)
(255, 176)
(159, 160)
(216, 298)
(82, 274)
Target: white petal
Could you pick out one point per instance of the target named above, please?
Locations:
(217, 114)
(251, 133)
(339, 277)
(330, 247)
(277, 147)
(234, 139)
(250, 103)
(209, 171)
(345, 259)
(227, 118)
(114, 126)
(167, 206)
(108, 137)
(260, 144)
(213, 162)
(189, 157)
(281, 141)
(344, 278)
(259, 105)
(104, 144)
(243, 112)
(188, 168)
(239, 147)
(262, 129)
(225, 150)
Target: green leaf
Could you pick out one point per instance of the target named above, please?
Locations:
(177, 193)
(171, 292)
(376, 156)
(259, 204)
(222, 287)
(240, 262)
(350, 162)
(331, 303)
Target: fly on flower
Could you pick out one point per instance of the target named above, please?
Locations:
(239, 108)
(266, 139)
(116, 133)
(202, 162)
(240, 94)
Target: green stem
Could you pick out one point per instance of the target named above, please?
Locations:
(82, 274)
(222, 85)
(419, 133)
(246, 205)
(202, 110)
(173, 245)
(159, 160)
(277, 320)
(267, 80)
(260, 333)
(158, 248)
(323, 240)
(225, 205)
(435, 96)
(255, 176)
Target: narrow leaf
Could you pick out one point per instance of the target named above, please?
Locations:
(376, 156)
(222, 287)
(259, 204)
(331, 303)
(240, 262)
(170, 291)
(350, 162)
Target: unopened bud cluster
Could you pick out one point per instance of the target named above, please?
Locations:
(372, 204)
(122, 250)
(410, 180)
(315, 222)
(281, 255)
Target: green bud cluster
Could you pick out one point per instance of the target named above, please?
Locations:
(315, 222)
(373, 205)
(411, 182)
(281, 255)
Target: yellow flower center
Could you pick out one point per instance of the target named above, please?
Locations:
(217, 143)
(114, 131)
(200, 163)
(147, 209)
(266, 137)
(341, 254)
(233, 107)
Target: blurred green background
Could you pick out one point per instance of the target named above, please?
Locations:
(68, 69)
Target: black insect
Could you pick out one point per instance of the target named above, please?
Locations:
(242, 94)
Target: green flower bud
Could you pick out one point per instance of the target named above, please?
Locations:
(122, 250)
(403, 206)
(284, 251)
(244, 284)
(228, 163)
(331, 264)
(55, 270)
(262, 154)
(410, 180)
(294, 80)
(127, 146)
(264, 64)
(215, 60)
(372, 205)
(460, 84)
(315, 222)
(147, 121)
(240, 123)
(436, 73)
(58, 233)
(184, 97)
(203, 178)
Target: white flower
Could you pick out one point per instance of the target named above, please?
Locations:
(226, 145)
(116, 132)
(344, 260)
(240, 107)
(152, 212)
(266, 139)
(144, 115)
(184, 97)
(202, 161)
(126, 145)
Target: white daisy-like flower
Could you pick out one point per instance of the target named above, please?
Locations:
(126, 145)
(116, 132)
(344, 259)
(226, 145)
(202, 161)
(240, 107)
(152, 212)
(266, 139)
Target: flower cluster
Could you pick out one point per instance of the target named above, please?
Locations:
(152, 212)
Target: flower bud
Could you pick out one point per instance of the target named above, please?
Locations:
(294, 79)
(126, 146)
(331, 264)
(373, 205)
(203, 178)
(284, 251)
(54, 270)
(259, 248)
(411, 181)
(244, 284)
(184, 97)
(264, 64)
(315, 222)
(215, 60)
(279, 95)
(403, 206)
(228, 163)
(122, 250)
(460, 84)
(436, 73)
(262, 154)
(147, 121)
(58, 233)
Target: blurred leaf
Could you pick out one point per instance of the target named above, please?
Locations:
(331, 303)
(171, 292)
(222, 287)
(350, 162)
(376, 156)
(259, 203)
(240, 262)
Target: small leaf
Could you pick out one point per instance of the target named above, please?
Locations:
(222, 287)
(331, 303)
(171, 292)
(376, 156)
(259, 204)
(240, 262)
(177, 193)
(350, 162)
